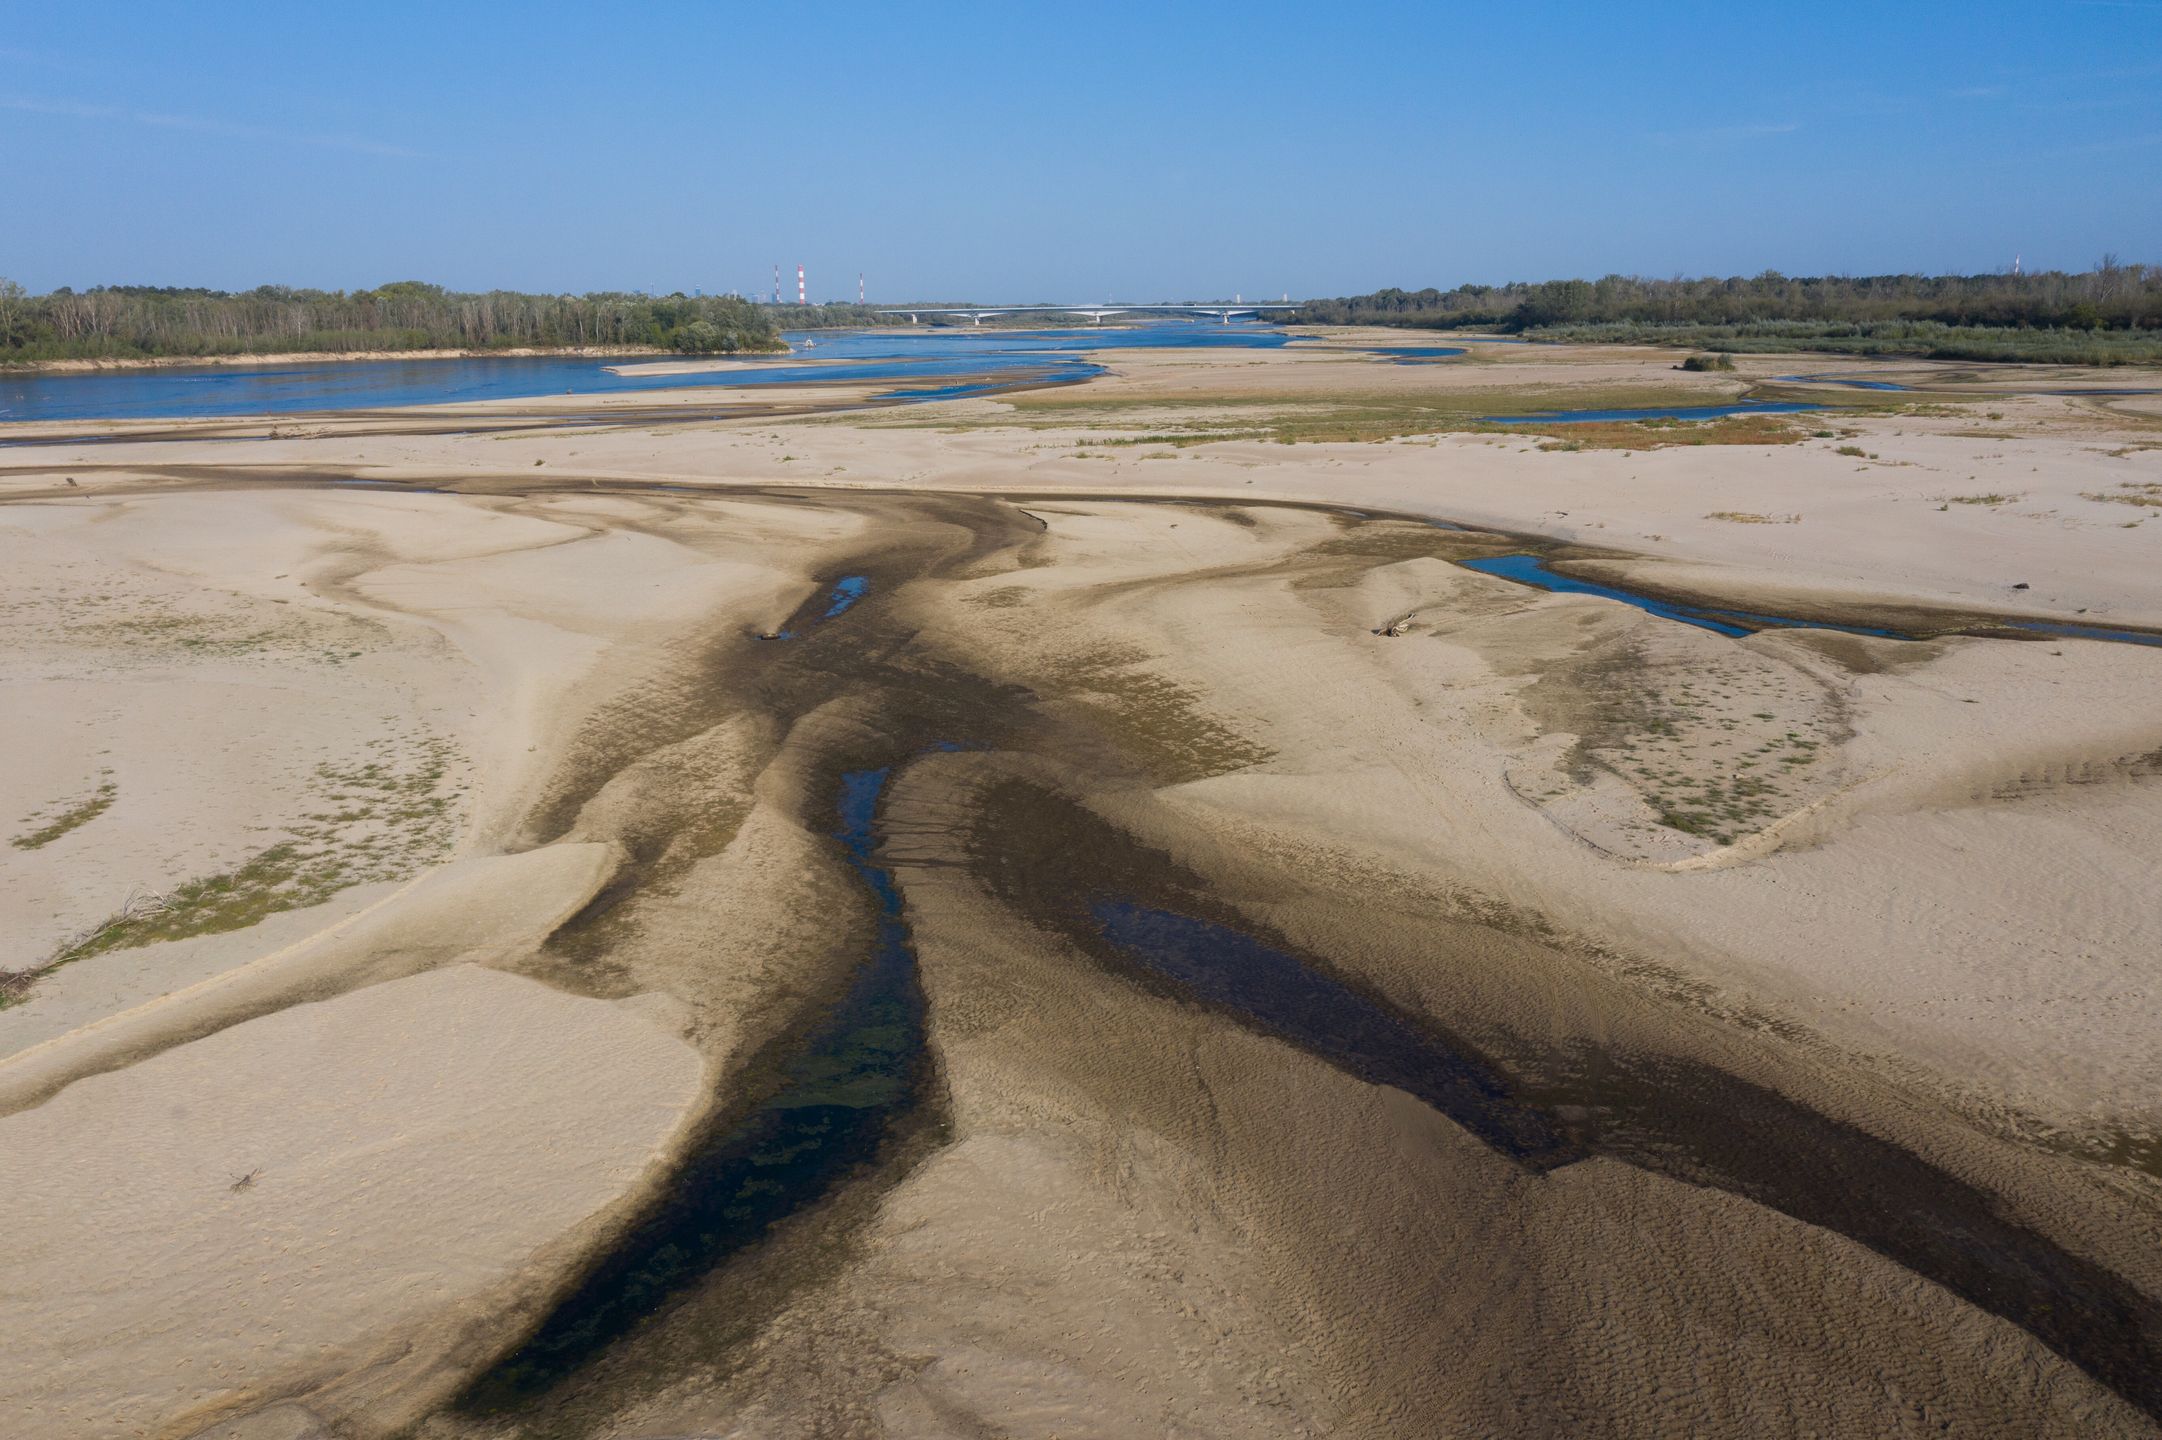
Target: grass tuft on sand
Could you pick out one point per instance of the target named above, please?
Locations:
(1660, 434)
(74, 817)
(385, 820)
(2128, 492)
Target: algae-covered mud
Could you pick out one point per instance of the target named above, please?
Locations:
(889, 925)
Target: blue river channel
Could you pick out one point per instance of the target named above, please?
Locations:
(914, 360)
(1535, 572)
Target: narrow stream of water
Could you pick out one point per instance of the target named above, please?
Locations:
(1416, 354)
(1534, 571)
(840, 1095)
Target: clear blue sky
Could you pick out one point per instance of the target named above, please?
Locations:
(1070, 151)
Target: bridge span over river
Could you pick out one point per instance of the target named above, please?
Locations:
(1096, 313)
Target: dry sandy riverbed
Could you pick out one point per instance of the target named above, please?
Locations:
(1667, 1031)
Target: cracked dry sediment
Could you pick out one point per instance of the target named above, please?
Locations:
(1140, 1199)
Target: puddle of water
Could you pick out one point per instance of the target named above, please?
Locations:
(838, 1098)
(1413, 354)
(1678, 412)
(1221, 966)
(846, 592)
(1847, 384)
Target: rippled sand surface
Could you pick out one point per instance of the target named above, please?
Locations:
(1332, 990)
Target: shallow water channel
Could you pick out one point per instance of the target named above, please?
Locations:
(840, 1093)
(1532, 570)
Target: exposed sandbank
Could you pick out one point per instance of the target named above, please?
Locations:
(1904, 935)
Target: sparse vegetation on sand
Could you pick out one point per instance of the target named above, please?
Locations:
(2129, 492)
(1323, 417)
(1660, 434)
(385, 820)
(50, 827)
(1157, 720)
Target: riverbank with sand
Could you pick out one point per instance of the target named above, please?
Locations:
(1647, 954)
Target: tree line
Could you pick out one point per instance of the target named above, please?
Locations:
(142, 321)
(2110, 311)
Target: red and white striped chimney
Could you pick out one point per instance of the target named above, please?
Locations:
(802, 296)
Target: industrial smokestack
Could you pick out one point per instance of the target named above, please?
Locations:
(802, 295)
(776, 283)
(859, 287)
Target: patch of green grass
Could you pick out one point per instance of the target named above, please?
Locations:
(1324, 417)
(386, 822)
(1183, 438)
(73, 818)
(280, 878)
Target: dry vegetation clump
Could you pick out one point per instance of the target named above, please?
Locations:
(1751, 517)
(2129, 492)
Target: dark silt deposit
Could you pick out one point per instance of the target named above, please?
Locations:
(1550, 1104)
(1272, 990)
(839, 1094)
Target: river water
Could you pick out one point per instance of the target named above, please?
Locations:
(915, 361)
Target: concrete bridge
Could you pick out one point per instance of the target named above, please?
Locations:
(1096, 313)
